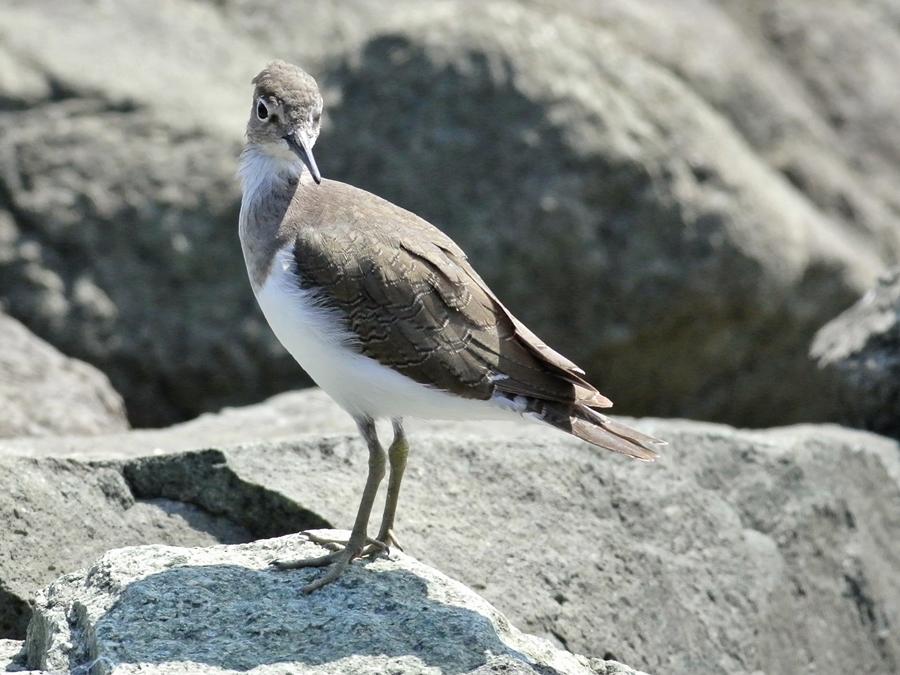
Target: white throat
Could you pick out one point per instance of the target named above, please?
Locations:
(262, 167)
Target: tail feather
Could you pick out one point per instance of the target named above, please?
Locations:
(615, 436)
(587, 424)
(594, 427)
(623, 430)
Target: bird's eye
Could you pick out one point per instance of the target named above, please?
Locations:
(317, 118)
(262, 111)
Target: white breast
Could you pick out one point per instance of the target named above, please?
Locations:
(317, 338)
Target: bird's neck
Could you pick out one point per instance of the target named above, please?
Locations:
(269, 181)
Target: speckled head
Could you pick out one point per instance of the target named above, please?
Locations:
(287, 110)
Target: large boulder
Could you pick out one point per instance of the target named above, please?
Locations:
(630, 208)
(42, 392)
(158, 609)
(736, 552)
(861, 350)
(808, 86)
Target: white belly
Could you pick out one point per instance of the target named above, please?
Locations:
(315, 337)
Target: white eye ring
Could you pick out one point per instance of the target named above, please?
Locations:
(262, 110)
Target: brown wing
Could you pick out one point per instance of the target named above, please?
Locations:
(417, 306)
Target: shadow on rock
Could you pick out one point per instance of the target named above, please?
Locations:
(237, 618)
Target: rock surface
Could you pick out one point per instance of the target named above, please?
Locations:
(737, 552)
(861, 347)
(224, 610)
(59, 515)
(12, 656)
(677, 205)
(45, 393)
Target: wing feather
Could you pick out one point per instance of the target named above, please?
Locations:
(416, 305)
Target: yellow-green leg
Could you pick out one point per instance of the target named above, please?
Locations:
(397, 455)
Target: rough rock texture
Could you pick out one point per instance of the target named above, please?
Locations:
(862, 348)
(736, 552)
(43, 392)
(12, 656)
(60, 514)
(675, 199)
(223, 609)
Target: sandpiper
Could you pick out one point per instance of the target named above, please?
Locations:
(384, 311)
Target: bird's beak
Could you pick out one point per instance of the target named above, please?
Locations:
(298, 141)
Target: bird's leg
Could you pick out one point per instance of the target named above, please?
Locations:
(340, 559)
(397, 455)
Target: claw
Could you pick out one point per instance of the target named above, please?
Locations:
(387, 540)
(335, 544)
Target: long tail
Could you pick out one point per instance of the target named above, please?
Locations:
(595, 427)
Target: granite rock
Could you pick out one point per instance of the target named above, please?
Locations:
(736, 552)
(156, 609)
(12, 656)
(43, 392)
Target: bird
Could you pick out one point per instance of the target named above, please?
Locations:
(385, 312)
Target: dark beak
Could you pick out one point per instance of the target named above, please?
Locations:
(299, 143)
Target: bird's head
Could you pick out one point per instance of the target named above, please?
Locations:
(286, 113)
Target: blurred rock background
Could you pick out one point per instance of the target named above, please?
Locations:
(860, 350)
(43, 393)
(675, 195)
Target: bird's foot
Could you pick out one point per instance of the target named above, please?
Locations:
(383, 544)
(320, 561)
(343, 551)
(338, 560)
(338, 544)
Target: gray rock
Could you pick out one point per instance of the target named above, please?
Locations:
(624, 217)
(861, 349)
(223, 609)
(59, 515)
(736, 552)
(45, 393)
(840, 60)
(283, 417)
(805, 86)
(12, 656)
